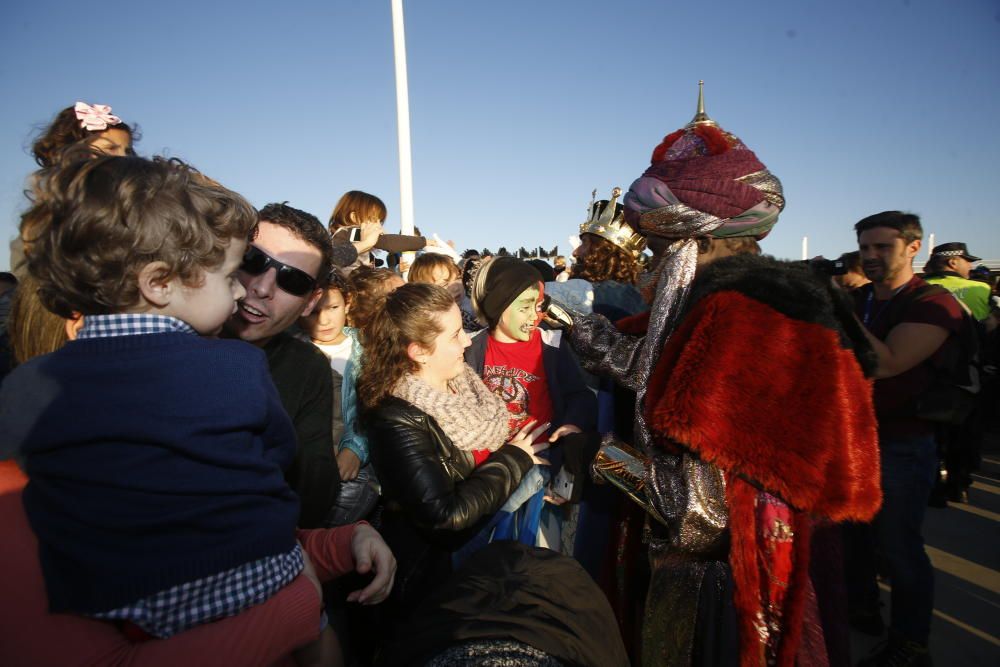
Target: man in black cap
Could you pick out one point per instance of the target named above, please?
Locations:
(949, 266)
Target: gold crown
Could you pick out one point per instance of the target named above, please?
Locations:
(608, 223)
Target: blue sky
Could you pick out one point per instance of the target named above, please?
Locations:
(519, 109)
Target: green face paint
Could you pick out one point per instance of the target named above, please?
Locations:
(521, 317)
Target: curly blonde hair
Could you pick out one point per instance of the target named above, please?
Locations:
(94, 223)
(606, 261)
(411, 314)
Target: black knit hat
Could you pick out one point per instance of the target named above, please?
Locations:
(500, 280)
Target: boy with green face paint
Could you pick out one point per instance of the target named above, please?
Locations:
(530, 368)
(520, 319)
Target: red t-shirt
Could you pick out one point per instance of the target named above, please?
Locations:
(893, 395)
(515, 372)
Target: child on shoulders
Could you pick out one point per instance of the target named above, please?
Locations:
(154, 452)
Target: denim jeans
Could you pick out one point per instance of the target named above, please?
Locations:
(909, 467)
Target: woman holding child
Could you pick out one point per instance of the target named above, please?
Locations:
(438, 437)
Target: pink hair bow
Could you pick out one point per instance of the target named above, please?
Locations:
(94, 118)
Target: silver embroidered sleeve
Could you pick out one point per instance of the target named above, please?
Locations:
(691, 495)
(605, 351)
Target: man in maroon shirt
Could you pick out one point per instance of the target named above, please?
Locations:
(908, 323)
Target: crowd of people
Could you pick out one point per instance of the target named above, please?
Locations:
(241, 436)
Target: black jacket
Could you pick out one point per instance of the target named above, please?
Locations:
(302, 375)
(435, 497)
(518, 593)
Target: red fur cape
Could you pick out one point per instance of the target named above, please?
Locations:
(781, 406)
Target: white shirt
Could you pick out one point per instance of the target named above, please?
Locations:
(337, 353)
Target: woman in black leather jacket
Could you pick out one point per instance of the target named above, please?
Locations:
(438, 437)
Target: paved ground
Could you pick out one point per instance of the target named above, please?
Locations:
(963, 542)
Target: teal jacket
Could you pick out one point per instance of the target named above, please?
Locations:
(351, 439)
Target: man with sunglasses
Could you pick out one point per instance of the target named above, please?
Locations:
(284, 272)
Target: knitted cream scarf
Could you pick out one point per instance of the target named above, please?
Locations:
(469, 414)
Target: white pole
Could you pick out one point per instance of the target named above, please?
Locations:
(402, 120)
(805, 247)
(930, 244)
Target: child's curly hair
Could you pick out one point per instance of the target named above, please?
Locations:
(95, 223)
(606, 261)
(368, 288)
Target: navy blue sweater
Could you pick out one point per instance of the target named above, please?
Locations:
(152, 460)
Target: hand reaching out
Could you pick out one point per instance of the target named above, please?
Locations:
(370, 231)
(565, 429)
(372, 554)
(526, 436)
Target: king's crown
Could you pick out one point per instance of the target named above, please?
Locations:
(606, 220)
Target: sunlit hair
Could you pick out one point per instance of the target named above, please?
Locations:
(95, 223)
(907, 224)
(338, 281)
(606, 261)
(66, 131)
(363, 205)
(368, 287)
(307, 227)
(411, 314)
(32, 329)
(423, 267)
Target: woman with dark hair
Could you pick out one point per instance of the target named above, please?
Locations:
(82, 123)
(438, 437)
(75, 130)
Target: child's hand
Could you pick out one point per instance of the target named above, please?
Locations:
(348, 464)
(565, 429)
(372, 554)
(525, 438)
(370, 231)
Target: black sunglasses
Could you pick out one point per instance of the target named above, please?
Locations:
(294, 281)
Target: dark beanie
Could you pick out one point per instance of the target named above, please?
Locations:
(500, 280)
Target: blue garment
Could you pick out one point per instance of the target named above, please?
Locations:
(352, 439)
(909, 467)
(153, 460)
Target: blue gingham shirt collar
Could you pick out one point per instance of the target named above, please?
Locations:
(131, 324)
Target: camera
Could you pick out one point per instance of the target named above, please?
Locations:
(828, 267)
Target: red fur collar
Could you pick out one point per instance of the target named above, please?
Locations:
(777, 404)
(774, 400)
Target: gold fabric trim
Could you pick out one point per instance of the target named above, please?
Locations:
(768, 184)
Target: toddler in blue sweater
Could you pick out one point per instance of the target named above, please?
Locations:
(155, 453)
